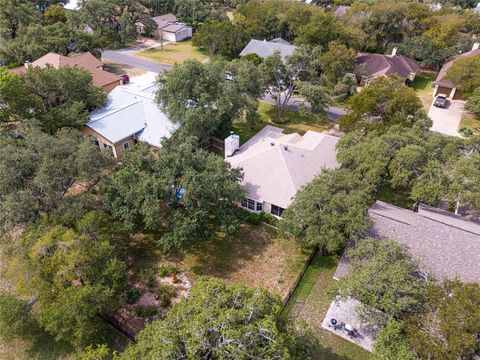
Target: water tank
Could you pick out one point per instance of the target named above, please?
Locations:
(232, 144)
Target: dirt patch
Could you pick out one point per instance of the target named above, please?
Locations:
(120, 69)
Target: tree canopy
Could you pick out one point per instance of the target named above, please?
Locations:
(329, 211)
(219, 321)
(465, 72)
(178, 193)
(206, 98)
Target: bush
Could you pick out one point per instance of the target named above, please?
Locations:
(466, 132)
(167, 269)
(165, 294)
(269, 219)
(253, 218)
(133, 295)
(145, 311)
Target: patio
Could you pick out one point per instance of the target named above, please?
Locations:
(346, 319)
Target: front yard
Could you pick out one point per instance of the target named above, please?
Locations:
(422, 84)
(309, 305)
(291, 120)
(174, 53)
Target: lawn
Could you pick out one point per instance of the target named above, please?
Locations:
(309, 305)
(422, 84)
(174, 53)
(471, 122)
(120, 69)
(291, 120)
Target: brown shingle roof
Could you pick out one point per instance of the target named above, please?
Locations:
(164, 20)
(384, 65)
(446, 245)
(441, 81)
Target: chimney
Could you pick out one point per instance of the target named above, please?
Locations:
(27, 64)
(475, 46)
(394, 51)
(232, 144)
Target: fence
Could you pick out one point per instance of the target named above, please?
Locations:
(217, 143)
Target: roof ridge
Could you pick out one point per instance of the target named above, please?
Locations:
(116, 110)
(286, 166)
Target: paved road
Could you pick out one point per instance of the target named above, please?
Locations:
(333, 113)
(123, 57)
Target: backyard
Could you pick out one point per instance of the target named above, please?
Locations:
(174, 53)
(470, 121)
(309, 305)
(422, 84)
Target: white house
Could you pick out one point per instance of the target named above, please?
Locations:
(169, 28)
(264, 48)
(277, 165)
(130, 115)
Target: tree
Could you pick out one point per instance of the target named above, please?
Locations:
(184, 192)
(473, 102)
(55, 13)
(280, 77)
(219, 321)
(57, 98)
(449, 324)
(220, 37)
(38, 170)
(14, 316)
(384, 102)
(196, 12)
(205, 98)
(14, 14)
(330, 211)
(392, 343)
(13, 93)
(465, 72)
(337, 61)
(384, 278)
(316, 96)
(74, 275)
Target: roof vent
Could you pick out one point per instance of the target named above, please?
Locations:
(272, 143)
(285, 147)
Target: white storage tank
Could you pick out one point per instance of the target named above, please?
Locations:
(232, 144)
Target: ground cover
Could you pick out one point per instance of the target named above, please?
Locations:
(174, 53)
(422, 84)
(309, 305)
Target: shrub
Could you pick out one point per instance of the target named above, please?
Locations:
(133, 295)
(145, 311)
(466, 132)
(167, 269)
(253, 218)
(165, 294)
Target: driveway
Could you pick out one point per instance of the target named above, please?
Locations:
(446, 121)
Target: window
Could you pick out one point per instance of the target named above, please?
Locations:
(97, 144)
(252, 204)
(109, 147)
(125, 146)
(277, 210)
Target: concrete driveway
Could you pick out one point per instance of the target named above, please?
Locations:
(447, 120)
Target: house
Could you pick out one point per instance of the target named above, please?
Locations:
(266, 48)
(168, 28)
(446, 86)
(277, 165)
(446, 245)
(130, 115)
(370, 66)
(100, 78)
(341, 10)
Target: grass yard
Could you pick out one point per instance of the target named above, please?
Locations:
(120, 69)
(174, 53)
(291, 120)
(309, 305)
(422, 84)
(470, 121)
(255, 257)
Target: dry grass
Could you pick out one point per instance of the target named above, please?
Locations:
(470, 121)
(122, 69)
(174, 53)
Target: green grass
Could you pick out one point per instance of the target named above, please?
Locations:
(291, 120)
(398, 197)
(174, 53)
(309, 305)
(423, 86)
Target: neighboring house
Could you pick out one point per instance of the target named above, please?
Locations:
(105, 80)
(341, 10)
(277, 165)
(168, 28)
(447, 87)
(446, 245)
(370, 66)
(477, 9)
(130, 115)
(266, 48)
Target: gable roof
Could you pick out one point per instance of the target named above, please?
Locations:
(446, 245)
(84, 60)
(164, 20)
(131, 111)
(266, 48)
(384, 65)
(441, 80)
(276, 165)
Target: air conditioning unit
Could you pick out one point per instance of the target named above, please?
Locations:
(232, 144)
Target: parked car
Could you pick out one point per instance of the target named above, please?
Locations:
(441, 101)
(125, 79)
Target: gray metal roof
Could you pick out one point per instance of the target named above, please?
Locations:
(266, 48)
(446, 245)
